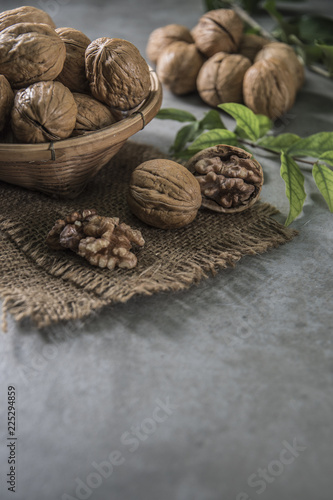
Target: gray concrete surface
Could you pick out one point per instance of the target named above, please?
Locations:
(222, 392)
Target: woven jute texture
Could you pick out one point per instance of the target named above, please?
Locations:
(48, 286)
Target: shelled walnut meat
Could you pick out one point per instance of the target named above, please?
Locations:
(178, 67)
(91, 114)
(164, 194)
(6, 101)
(230, 178)
(160, 38)
(73, 73)
(221, 78)
(44, 112)
(30, 53)
(102, 241)
(118, 74)
(24, 14)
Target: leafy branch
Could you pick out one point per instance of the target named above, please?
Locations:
(310, 35)
(254, 132)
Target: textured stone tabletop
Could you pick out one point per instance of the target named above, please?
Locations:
(223, 391)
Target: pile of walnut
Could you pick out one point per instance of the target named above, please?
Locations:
(225, 65)
(56, 83)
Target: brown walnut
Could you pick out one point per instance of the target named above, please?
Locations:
(164, 194)
(178, 67)
(230, 178)
(160, 38)
(251, 44)
(221, 78)
(218, 31)
(73, 74)
(118, 74)
(268, 88)
(30, 53)
(287, 54)
(44, 112)
(91, 114)
(102, 241)
(24, 14)
(6, 101)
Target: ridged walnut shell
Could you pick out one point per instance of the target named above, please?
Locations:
(118, 74)
(268, 88)
(160, 38)
(30, 53)
(6, 101)
(178, 67)
(44, 112)
(24, 14)
(287, 54)
(91, 114)
(221, 78)
(73, 74)
(230, 178)
(251, 44)
(218, 31)
(164, 194)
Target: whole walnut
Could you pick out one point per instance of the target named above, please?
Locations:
(286, 53)
(44, 112)
(24, 14)
(73, 74)
(118, 74)
(6, 101)
(30, 53)
(221, 78)
(178, 67)
(160, 38)
(91, 114)
(164, 194)
(230, 178)
(268, 88)
(251, 44)
(218, 31)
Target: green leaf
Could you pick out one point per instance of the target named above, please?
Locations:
(323, 177)
(314, 145)
(311, 28)
(245, 119)
(265, 124)
(327, 157)
(212, 138)
(175, 114)
(270, 7)
(185, 135)
(211, 120)
(294, 181)
(327, 51)
(279, 143)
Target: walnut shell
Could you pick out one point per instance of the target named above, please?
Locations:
(251, 44)
(91, 114)
(6, 101)
(164, 194)
(43, 112)
(24, 14)
(218, 31)
(73, 74)
(221, 78)
(230, 178)
(283, 51)
(30, 53)
(160, 38)
(118, 74)
(178, 67)
(268, 88)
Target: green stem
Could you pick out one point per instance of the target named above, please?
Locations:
(253, 145)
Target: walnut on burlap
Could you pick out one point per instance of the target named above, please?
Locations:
(48, 286)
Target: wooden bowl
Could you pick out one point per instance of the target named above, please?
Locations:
(63, 168)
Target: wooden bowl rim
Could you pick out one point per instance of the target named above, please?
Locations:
(135, 121)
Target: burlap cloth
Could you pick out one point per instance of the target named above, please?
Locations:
(48, 286)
